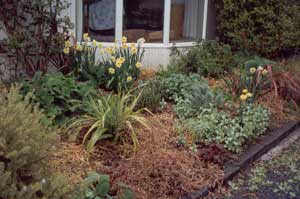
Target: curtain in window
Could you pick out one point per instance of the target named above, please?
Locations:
(193, 19)
(102, 15)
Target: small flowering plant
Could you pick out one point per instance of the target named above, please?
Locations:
(245, 97)
(122, 64)
(256, 78)
(114, 68)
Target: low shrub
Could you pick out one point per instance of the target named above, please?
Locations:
(111, 116)
(116, 69)
(56, 93)
(212, 125)
(152, 95)
(177, 84)
(207, 58)
(25, 145)
(199, 96)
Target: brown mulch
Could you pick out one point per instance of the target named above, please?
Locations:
(280, 110)
(159, 169)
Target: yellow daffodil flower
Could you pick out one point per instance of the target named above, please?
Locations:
(109, 50)
(243, 97)
(138, 65)
(124, 46)
(78, 47)
(245, 91)
(249, 94)
(129, 79)
(118, 64)
(111, 70)
(252, 70)
(68, 44)
(113, 59)
(265, 72)
(124, 39)
(67, 51)
(122, 59)
(134, 50)
(86, 37)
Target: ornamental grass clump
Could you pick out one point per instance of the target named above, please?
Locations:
(110, 116)
(114, 68)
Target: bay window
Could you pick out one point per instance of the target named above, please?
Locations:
(160, 22)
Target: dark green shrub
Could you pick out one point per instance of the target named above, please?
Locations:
(57, 93)
(153, 94)
(207, 58)
(25, 144)
(264, 27)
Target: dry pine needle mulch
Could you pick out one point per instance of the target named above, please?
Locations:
(159, 169)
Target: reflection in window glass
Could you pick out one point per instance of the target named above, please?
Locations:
(186, 20)
(143, 18)
(99, 19)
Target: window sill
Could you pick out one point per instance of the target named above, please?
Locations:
(157, 45)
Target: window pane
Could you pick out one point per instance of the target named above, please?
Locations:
(186, 20)
(99, 19)
(143, 18)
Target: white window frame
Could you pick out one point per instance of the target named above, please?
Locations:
(119, 25)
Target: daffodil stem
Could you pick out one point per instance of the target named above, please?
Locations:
(241, 115)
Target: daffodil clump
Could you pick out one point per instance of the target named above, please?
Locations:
(115, 67)
(256, 79)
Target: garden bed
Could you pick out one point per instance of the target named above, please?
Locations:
(159, 168)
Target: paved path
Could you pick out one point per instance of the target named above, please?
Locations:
(276, 176)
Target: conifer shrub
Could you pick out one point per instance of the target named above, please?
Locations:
(25, 144)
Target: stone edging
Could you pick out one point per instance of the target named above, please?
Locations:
(252, 153)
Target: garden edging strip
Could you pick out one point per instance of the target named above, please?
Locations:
(252, 153)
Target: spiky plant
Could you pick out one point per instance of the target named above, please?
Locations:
(111, 116)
